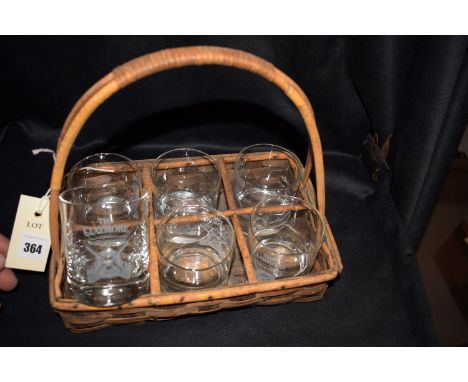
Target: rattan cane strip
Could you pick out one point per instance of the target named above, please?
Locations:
(155, 286)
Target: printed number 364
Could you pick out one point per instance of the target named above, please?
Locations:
(32, 248)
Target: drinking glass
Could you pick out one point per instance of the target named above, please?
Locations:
(184, 177)
(276, 171)
(196, 245)
(104, 168)
(105, 242)
(285, 236)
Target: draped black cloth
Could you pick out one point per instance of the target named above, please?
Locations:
(390, 111)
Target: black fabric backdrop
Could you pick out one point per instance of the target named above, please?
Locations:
(413, 88)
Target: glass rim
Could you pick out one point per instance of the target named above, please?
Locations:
(210, 210)
(285, 150)
(299, 201)
(160, 158)
(130, 161)
(62, 199)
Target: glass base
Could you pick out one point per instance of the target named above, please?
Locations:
(111, 294)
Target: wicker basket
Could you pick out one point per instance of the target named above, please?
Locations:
(243, 289)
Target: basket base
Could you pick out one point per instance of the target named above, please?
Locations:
(82, 322)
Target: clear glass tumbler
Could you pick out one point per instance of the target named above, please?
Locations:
(285, 236)
(262, 171)
(184, 177)
(105, 242)
(196, 247)
(104, 168)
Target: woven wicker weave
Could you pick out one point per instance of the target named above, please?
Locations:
(243, 289)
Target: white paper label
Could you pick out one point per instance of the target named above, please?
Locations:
(30, 240)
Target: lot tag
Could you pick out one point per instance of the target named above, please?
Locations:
(30, 240)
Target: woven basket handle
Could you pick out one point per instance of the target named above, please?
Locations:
(168, 59)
